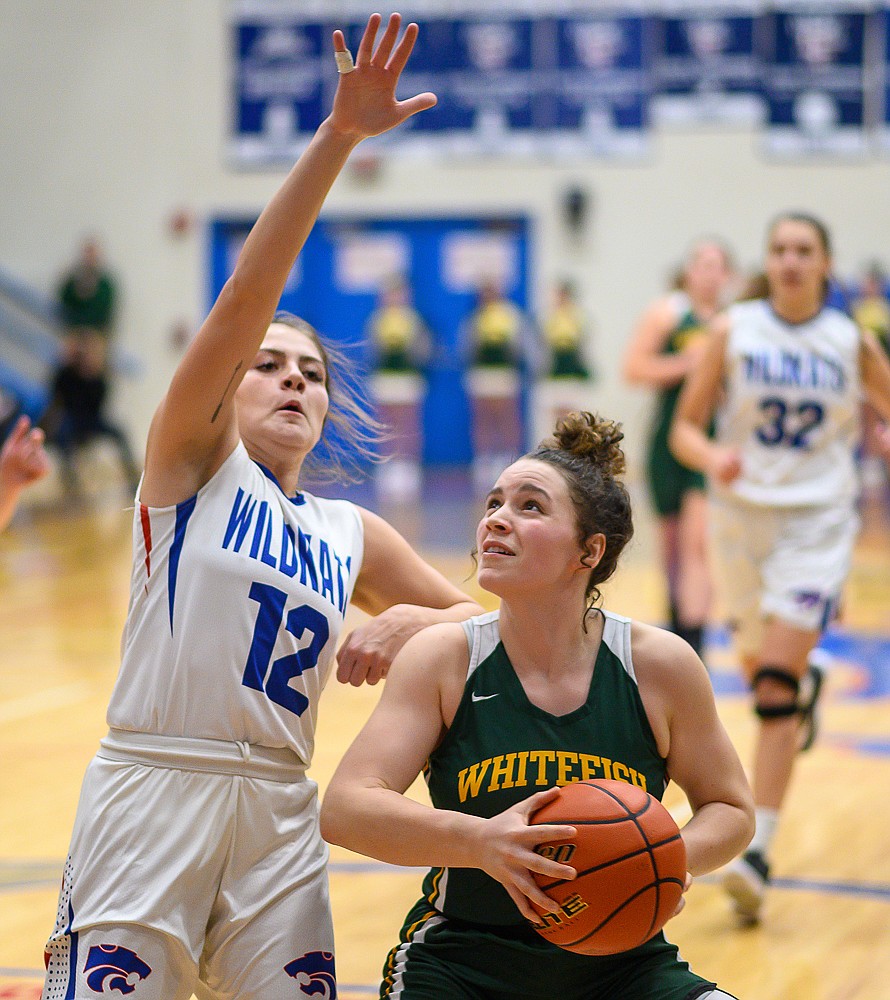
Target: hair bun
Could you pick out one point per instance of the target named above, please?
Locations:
(587, 435)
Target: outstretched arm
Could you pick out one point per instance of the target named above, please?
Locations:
(194, 429)
(404, 593)
(645, 362)
(22, 462)
(688, 438)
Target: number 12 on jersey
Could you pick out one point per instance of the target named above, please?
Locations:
(265, 631)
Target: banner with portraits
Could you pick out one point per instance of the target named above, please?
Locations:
(706, 64)
(576, 78)
(815, 80)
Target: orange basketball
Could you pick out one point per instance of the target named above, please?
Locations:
(631, 864)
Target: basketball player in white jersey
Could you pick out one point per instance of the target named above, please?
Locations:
(196, 862)
(789, 373)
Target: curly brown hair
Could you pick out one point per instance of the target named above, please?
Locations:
(586, 450)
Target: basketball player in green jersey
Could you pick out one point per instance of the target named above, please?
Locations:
(500, 710)
(664, 348)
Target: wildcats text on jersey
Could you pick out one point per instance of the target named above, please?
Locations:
(254, 530)
(540, 767)
(805, 370)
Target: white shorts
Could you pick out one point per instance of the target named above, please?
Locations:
(184, 880)
(786, 563)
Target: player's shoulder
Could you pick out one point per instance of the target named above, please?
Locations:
(436, 658)
(661, 657)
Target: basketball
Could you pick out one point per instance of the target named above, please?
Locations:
(631, 864)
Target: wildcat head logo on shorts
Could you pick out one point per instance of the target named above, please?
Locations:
(111, 967)
(808, 598)
(314, 974)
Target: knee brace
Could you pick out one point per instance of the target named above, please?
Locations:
(783, 709)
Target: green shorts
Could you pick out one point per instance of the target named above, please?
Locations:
(443, 959)
(669, 481)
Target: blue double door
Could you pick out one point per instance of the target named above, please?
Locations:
(337, 279)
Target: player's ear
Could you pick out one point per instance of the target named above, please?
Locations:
(593, 550)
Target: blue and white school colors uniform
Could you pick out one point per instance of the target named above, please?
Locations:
(196, 862)
(784, 530)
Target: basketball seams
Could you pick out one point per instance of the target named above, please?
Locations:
(636, 916)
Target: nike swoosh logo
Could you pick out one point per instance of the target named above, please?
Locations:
(483, 697)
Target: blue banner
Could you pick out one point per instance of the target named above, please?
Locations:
(507, 81)
(578, 78)
(706, 66)
(883, 32)
(813, 58)
(603, 83)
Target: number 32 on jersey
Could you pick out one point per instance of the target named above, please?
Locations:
(787, 425)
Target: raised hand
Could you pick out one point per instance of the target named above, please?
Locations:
(365, 103)
(22, 458)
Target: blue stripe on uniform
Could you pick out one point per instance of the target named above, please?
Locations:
(184, 511)
(72, 955)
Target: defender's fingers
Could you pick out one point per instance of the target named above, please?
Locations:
(423, 102)
(388, 41)
(366, 46)
(397, 63)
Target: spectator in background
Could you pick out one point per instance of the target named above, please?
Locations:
(498, 336)
(76, 412)
(88, 294)
(22, 462)
(871, 307)
(566, 333)
(398, 335)
(400, 344)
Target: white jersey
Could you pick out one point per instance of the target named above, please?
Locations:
(236, 603)
(791, 406)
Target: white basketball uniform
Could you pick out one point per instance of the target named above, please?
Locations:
(196, 861)
(784, 529)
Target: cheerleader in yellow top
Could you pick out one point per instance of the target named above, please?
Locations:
(496, 331)
(401, 346)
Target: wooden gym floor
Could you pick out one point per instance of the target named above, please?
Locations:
(64, 573)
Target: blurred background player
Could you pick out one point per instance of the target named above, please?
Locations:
(785, 375)
(665, 347)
